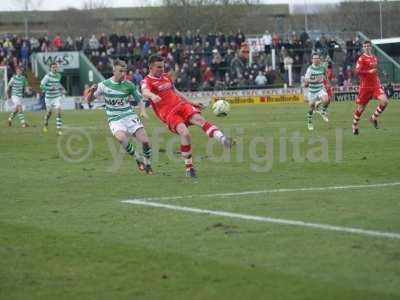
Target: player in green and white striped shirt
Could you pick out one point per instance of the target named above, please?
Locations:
(317, 96)
(122, 119)
(54, 91)
(17, 86)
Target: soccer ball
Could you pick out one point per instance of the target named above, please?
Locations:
(221, 108)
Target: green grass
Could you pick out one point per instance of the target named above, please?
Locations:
(64, 233)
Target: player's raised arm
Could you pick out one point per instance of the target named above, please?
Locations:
(43, 83)
(90, 93)
(307, 77)
(143, 112)
(148, 94)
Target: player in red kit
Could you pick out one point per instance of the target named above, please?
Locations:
(176, 111)
(369, 87)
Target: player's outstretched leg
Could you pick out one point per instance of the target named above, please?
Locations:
(309, 118)
(130, 149)
(46, 121)
(21, 117)
(379, 109)
(22, 120)
(212, 131)
(356, 118)
(323, 109)
(186, 149)
(147, 158)
(11, 117)
(59, 123)
(142, 137)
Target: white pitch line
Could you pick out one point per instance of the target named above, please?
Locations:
(307, 189)
(268, 219)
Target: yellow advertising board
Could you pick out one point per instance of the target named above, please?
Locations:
(268, 99)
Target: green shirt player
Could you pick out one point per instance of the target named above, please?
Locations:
(122, 119)
(54, 92)
(16, 87)
(317, 96)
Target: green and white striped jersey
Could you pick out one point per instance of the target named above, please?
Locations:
(116, 96)
(51, 85)
(315, 76)
(18, 84)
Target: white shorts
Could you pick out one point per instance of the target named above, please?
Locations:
(129, 124)
(13, 102)
(53, 103)
(314, 97)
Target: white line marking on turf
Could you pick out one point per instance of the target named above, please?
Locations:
(307, 189)
(268, 219)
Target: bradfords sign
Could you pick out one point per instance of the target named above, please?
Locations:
(64, 60)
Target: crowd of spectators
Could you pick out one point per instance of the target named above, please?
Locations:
(195, 61)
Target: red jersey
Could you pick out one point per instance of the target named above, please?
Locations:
(329, 74)
(164, 88)
(365, 63)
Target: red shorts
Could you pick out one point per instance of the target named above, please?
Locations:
(180, 114)
(366, 94)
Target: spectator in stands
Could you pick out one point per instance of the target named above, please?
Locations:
(276, 40)
(86, 92)
(287, 64)
(331, 47)
(240, 38)
(304, 36)
(24, 54)
(389, 90)
(122, 40)
(178, 40)
(123, 52)
(349, 74)
(208, 79)
(271, 75)
(220, 39)
(281, 57)
(35, 46)
(137, 77)
(212, 54)
(237, 66)
(129, 76)
(261, 79)
(197, 37)
(318, 46)
(297, 67)
(103, 40)
(57, 42)
(69, 44)
(160, 41)
(267, 42)
(110, 50)
(94, 43)
(104, 59)
(114, 39)
(340, 77)
(79, 41)
(168, 40)
(188, 39)
(145, 50)
(347, 83)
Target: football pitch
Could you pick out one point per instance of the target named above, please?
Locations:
(287, 214)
